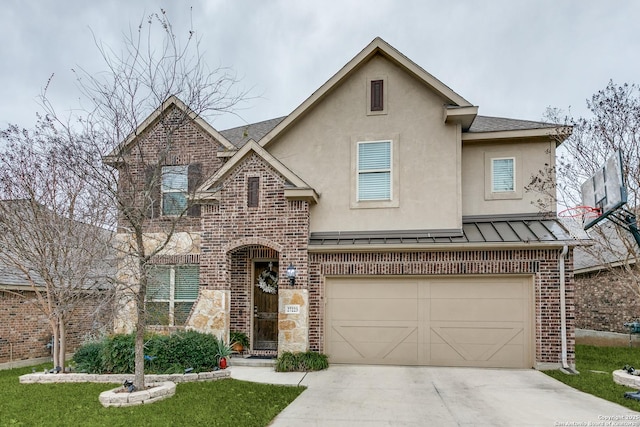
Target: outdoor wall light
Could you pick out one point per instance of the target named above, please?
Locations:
(291, 274)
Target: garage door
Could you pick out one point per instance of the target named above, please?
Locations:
(471, 321)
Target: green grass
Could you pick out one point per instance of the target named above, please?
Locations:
(595, 365)
(219, 403)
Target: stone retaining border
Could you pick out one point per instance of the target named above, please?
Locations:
(42, 378)
(622, 377)
(156, 392)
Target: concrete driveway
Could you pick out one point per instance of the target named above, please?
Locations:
(430, 396)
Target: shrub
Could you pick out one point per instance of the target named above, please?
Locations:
(163, 354)
(88, 358)
(118, 355)
(302, 362)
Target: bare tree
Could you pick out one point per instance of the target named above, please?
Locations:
(52, 227)
(614, 125)
(153, 89)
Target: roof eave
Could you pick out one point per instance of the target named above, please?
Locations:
(432, 247)
(547, 133)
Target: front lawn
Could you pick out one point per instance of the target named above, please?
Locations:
(219, 403)
(595, 365)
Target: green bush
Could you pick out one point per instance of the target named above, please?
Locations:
(118, 355)
(163, 354)
(302, 362)
(88, 358)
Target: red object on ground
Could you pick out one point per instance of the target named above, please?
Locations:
(223, 363)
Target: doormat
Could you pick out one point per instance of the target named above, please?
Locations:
(261, 357)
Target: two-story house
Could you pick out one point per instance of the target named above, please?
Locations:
(382, 222)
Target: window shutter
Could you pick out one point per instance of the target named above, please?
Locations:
(377, 93)
(158, 283)
(253, 191)
(194, 178)
(152, 185)
(502, 175)
(374, 171)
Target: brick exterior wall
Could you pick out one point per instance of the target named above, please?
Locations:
(229, 226)
(542, 264)
(25, 332)
(606, 300)
(187, 145)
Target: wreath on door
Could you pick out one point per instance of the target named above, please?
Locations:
(268, 280)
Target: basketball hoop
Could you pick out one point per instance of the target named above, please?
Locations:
(583, 212)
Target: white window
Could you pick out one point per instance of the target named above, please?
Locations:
(503, 174)
(174, 189)
(171, 292)
(374, 170)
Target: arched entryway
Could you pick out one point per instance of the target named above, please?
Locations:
(254, 296)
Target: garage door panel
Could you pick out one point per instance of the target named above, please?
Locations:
(478, 288)
(481, 321)
(376, 289)
(478, 334)
(481, 310)
(391, 309)
(382, 332)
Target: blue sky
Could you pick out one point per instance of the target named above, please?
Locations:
(511, 58)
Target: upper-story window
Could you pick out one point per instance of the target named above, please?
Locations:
(374, 170)
(503, 174)
(171, 292)
(175, 182)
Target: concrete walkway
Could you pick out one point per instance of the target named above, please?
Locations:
(430, 396)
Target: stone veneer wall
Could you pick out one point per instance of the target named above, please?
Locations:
(606, 300)
(542, 264)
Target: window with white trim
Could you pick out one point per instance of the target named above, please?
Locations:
(175, 180)
(171, 292)
(374, 170)
(503, 174)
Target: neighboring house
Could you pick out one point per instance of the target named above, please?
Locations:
(25, 332)
(402, 212)
(607, 282)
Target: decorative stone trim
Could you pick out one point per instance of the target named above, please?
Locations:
(42, 378)
(622, 377)
(157, 391)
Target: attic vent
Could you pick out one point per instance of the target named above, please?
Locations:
(377, 95)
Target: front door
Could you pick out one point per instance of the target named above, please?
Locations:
(265, 305)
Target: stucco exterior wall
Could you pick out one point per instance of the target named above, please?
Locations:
(531, 157)
(320, 149)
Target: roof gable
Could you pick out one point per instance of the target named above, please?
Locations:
(171, 102)
(377, 46)
(209, 188)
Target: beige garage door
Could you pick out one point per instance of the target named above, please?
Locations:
(471, 321)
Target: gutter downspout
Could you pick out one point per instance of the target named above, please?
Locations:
(563, 310)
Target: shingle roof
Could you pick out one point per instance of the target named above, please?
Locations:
(496, 124)
(239, 136)
(488, 230)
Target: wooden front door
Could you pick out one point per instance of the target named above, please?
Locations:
(265, 305)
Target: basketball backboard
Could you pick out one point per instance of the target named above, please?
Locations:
(605, 190)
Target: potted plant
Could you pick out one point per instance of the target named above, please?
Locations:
(224, 351)
(239, 341)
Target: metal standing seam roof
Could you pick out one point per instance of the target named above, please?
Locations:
(485, 231)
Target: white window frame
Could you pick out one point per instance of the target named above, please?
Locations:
(172, 300)
(388, 170)
(518, 185)
(175, 169)
(513, 175)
